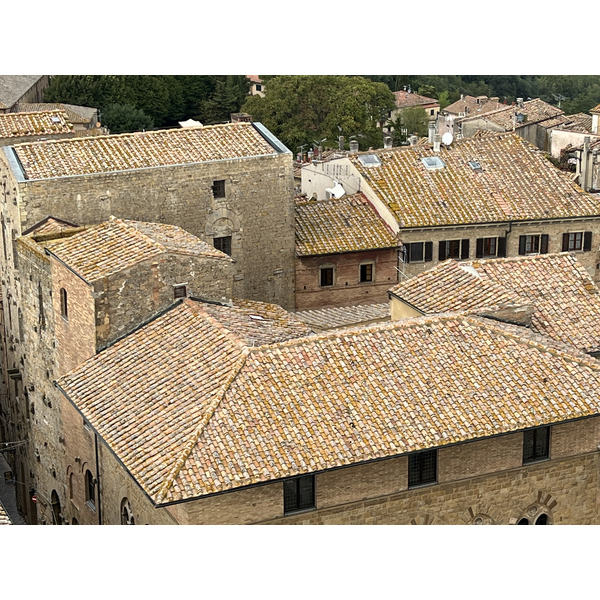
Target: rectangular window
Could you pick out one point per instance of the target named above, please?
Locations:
(298, 494)
(326, 276)
(456, 249)
(366, 273)
(490, 247)
(533, 244)
(223, 244)
(179, 291)
(422, 468)
(415, 252)
(218, 188)
(580, 240)
(536, 444)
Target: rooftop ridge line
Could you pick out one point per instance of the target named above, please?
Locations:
(195, 436)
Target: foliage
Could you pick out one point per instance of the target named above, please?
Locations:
(410, 121)
(303, 109)
(124, 118)
(166, 99)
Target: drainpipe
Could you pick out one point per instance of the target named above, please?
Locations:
(98, 480)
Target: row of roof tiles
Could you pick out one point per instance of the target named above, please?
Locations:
(24, 124)
(100, 154)
(192, 410)
(565, 300)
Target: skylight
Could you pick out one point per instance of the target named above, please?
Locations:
(369, 160)
(433, 162)
(475, 165)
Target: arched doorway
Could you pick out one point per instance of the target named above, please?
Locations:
(56, 512)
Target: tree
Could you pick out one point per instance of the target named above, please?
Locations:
(123, 118)
(410, 121)
(301, 109)
(229, 94)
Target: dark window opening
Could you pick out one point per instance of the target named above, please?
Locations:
(536, 444)
(523, 522)
(418, 252)
(542, 519)
(218, 188)
(42, 317)
(456, 249)
(90, 489)
(179, 291)
(573, 242)
(366, 273)
(258, 87)
(326, 276)
(422, 468)
(533, 244)
(299, 494)
(223, 244)
(63, 303)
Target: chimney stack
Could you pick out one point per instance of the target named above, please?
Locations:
(437, 142)
(353, 147)
(413, 140)
(585, 177)
(431, 131)
(388, 141)
(520, 102)
(341, 142)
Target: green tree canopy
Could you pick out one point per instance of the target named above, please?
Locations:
(124, 118)
(303, 109)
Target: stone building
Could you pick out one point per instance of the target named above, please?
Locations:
(19, 127)
(83, 118)
(84, 287)
(481, 197)
(230, 185)
(551, 294)
(345, 253)
(396, 423)
(21, 88)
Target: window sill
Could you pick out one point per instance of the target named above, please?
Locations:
(422, 485)
(299, 512)
(533, 461)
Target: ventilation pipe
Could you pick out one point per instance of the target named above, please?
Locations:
(353, 147)
(431, 131)
(437, 142)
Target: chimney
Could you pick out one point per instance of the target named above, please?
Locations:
(585, 177)
(595, 124)
(341, 142)
(241, 118)
(431, 131)
(413, 140)
(462, 96)
(437, 141)
(388, 141)
(520, 102)
(353, 147)
(495, 99)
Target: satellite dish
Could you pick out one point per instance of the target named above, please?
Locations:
(447, 138)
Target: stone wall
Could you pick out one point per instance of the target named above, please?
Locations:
(133, 295)
(347, 289)
(257, 211)
(480, 480)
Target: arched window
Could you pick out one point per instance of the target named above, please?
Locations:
(523, 522)
(71, 485)
(126, 513)
(90, 489)
(63, 303)
(542, 519)
(56, 516)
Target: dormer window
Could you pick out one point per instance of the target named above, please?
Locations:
(179, 291)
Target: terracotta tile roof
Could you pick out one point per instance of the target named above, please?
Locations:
(22, 124)
(535, 110)
(595, 110)
(565, 300)
(13, 87)
(172, 372)
(104, 249)
(190, 412)
(76, 114)
(406, 99)
(337, 317)
(578, 122)
(50, 225)
(102, 154)
(516, 183)
(349, 224)
(4, 517)
(254, 78)
(469, 105)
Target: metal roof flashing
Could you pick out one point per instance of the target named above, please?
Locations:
(14, 163)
